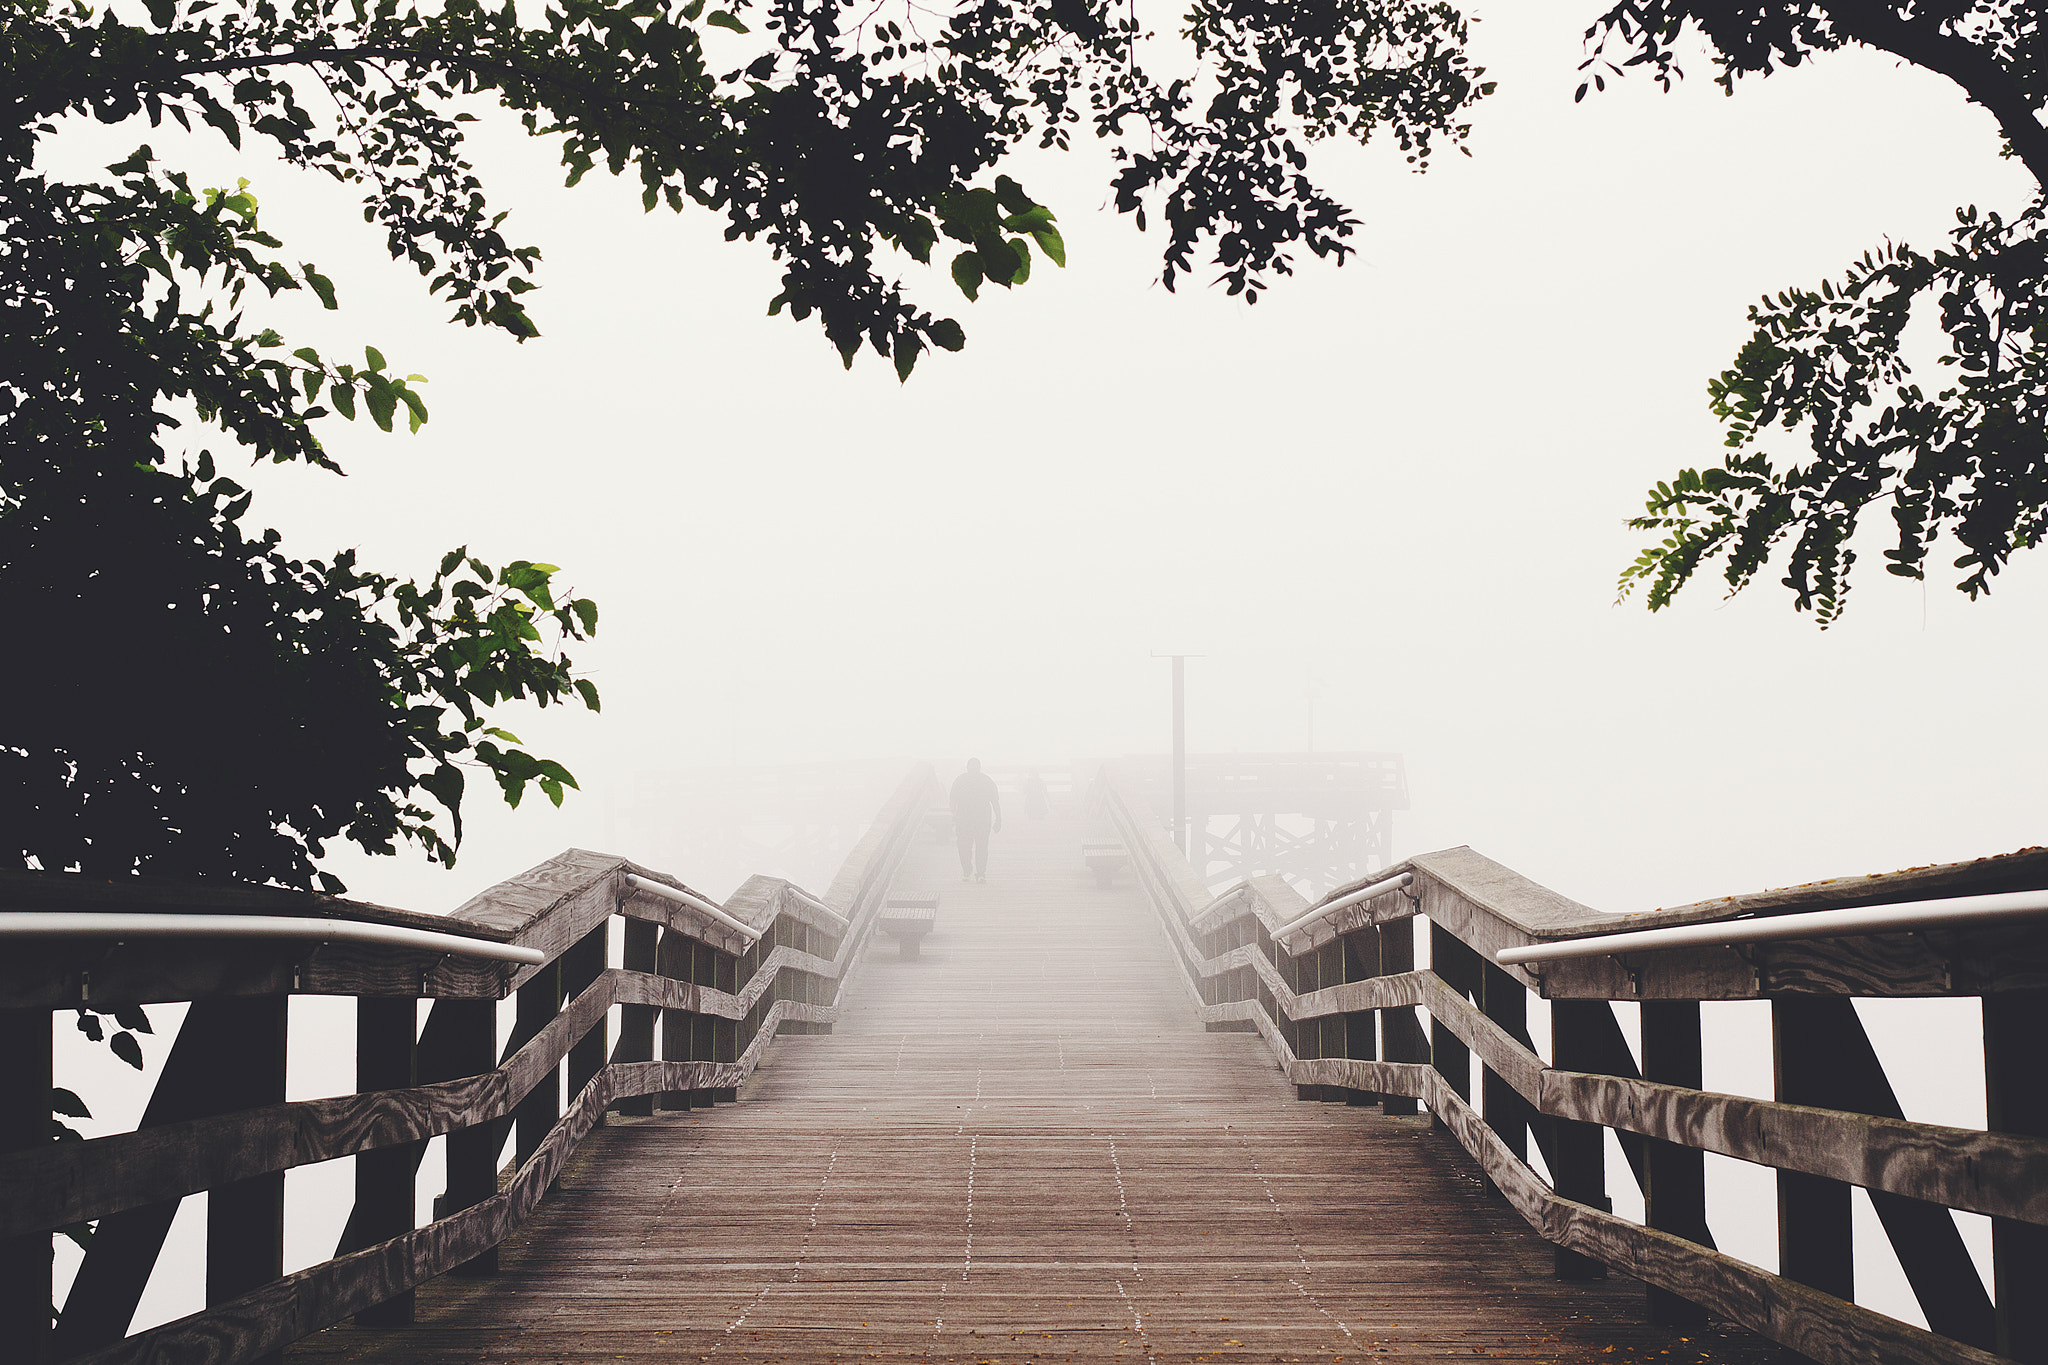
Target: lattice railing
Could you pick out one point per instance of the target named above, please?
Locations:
(1341, 1003)
(702, 989)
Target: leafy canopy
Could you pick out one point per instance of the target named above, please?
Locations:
(1964, 455)
(199, 700)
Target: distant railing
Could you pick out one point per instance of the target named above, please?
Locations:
(721, 980)
(1336, 997)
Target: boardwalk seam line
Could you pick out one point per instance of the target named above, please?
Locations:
(803, 1249)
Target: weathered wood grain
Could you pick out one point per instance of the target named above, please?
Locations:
(1491, 907)
(1022, 1145)
(1820, 1326)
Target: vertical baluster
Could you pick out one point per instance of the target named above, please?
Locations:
(636, 1022)
(1404, 1038)
(726, 1032)
(539, 1001)
(2016, 1091)
(386, 1059)
(1674, 1176)
(703, 1039)
(1814, 1243)
(1506, 1001)
(245, 1220)
(1361, 950)
(1579, 1150)
(1332, 1034)
(471, 1050)
(673, 960)
(1300, 973)
(1459, 967)
(582, 965)
(25, 1261)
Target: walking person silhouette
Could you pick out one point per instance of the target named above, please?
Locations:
(977, 813)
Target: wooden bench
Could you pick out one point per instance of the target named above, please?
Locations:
(907, 922)
(1105, 860)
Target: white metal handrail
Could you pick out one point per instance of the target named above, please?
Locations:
(170, 924)
(1952, 912)
(808, 899)
(694, 901)
(1364, 893)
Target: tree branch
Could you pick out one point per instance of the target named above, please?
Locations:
(1877, 24)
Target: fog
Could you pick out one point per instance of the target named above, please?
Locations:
(1384, 507)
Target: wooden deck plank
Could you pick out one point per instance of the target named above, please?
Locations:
(1021, 1147)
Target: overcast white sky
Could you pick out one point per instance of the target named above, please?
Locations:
(1399, 487)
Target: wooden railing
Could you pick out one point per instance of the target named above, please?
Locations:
(719, 986)
(1337, 997)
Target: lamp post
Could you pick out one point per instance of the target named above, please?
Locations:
(1183, 837)
(1180, 753)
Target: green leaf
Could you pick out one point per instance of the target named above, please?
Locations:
(444, 784)
(946, 335)
(588, 690)
(1012, 196)
(1051, 243)
(505, 735)
(586, 613)
(322, 286)
(719, 19)
(374, 356)
(383, 401)
(967, 273)
(415, 406)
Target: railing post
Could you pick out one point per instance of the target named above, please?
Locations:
(1304, 1035)
(1333, 1033)
(1674, 1176)
(1361, 949)
(245, 1220)
(471, 1050)
(1815, 1246)
(1459, 967)
(726, 1032)
(125, 1245)
(25, 1261)
(1578, 1150)
(582, 965)
(2016, 1093)
(673, 960)
(386, 1059)
(636, 1022)
(1506, 1001)
(1405, 1041)
(539, 1001)
(703, 1042)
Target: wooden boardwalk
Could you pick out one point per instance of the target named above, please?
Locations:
(1021, 1148)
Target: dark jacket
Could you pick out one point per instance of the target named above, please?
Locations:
(975, 803)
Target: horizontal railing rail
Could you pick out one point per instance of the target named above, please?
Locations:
(1335, 990)
(721, 981)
